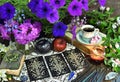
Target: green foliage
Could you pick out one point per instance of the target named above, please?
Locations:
(12, 57)
(117, 69)
(100, 19)
(2, 54)
(104, 20)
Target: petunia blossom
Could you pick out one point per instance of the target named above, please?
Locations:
(43, 9)
(57, 3)
(4, 33)
(27, 32)
(102, 2)
(53, 16)
(84, 4)
(75, 8)
(7, 11)
(59, 29)
(33, 3)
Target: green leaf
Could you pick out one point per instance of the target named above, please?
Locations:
(109, 55)
(117, 69)
(108, 62)
(111, 19)
(103, 24)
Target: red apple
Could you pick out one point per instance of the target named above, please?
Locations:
(59, 44)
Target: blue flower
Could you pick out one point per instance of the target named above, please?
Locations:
(53, 16)
(59, 29)
(43, 9)
(102, 2)
(57, 3)
(33, 3)
(7, 11)
(75, 8)
(84, 4)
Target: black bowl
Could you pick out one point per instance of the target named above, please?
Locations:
(43, 45)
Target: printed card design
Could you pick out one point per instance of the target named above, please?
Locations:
(57, 65)
(36, 68)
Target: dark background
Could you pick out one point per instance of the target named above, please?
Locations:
(114, 4)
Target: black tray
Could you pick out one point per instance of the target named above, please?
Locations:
(57, 65)
(36, 68)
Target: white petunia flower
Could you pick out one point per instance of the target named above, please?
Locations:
(117, 45)
(3, 76)
(108, 9)
(116, 62)
(114, 25)
(102, 8)
(118, 20)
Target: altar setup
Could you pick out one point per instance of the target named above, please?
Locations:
(59, 41)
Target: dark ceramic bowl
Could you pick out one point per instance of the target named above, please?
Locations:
(43, 45)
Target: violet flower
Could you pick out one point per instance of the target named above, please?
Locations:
(43, 9)
(84, 4)
(3, 32)
(57, 3)
(10, 25)
(102, 2)
(27, 32)
(53, 16)
(73, 31)
(75, 8)
(33, 3)
(7, 11)
(59, 29)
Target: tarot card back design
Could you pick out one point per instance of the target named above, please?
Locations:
(36, 68)
(75, 59)
(57, 65)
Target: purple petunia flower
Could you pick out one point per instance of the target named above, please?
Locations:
(53, 16)
(43, 9)
(7, 11)
(57, 3)
(84, 4)
(75, 8)
(27, 32)
(33, 3)
(102, 2)
(4, 33)
(59, 29)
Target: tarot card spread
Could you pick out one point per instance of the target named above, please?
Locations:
(57, 65)
(75, 59)
(36, 68)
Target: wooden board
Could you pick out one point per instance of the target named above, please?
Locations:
(17, 71)
(84, 48)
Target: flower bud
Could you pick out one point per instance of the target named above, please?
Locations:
(108, 9)
(114, 25)
(117, 45)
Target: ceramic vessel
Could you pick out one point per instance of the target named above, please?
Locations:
(43, 45)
